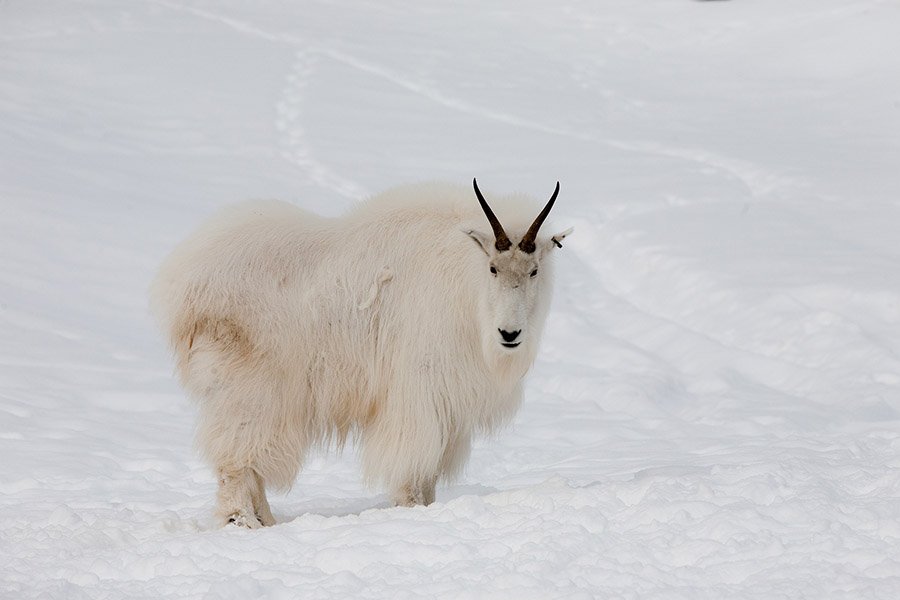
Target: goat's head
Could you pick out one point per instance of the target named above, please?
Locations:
(514, 276)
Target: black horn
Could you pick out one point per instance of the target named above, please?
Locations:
(501, 242)
(527, 244)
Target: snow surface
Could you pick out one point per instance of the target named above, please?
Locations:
(715, 412)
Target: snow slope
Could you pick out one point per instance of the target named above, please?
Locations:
(715, 412)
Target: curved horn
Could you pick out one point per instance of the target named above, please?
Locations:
(527, 244)
(501, 242)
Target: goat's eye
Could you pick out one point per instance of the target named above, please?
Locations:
(534, 273)
(493, 270)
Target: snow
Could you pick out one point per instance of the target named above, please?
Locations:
(715, 412)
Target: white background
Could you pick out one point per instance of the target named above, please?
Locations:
(715, 412)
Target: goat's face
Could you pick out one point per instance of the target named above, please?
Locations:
(515, 280)
(513, 289)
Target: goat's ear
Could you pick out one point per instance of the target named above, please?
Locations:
(484, 241)
(555, 241)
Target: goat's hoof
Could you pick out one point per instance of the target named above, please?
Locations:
(245, 521)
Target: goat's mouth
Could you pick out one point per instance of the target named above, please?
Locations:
(510, 344)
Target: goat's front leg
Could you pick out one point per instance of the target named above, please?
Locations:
(418, 492)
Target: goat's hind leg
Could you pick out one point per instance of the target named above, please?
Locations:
(237, 498)
(239, 423)
(260, 504)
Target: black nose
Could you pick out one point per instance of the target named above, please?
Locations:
(509, 336)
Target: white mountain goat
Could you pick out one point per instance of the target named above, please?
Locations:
(294, 331)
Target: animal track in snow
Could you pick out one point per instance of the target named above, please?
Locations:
(294, 139)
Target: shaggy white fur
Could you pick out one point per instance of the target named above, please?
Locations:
(294, 331)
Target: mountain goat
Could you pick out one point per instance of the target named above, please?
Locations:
(294, 331)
